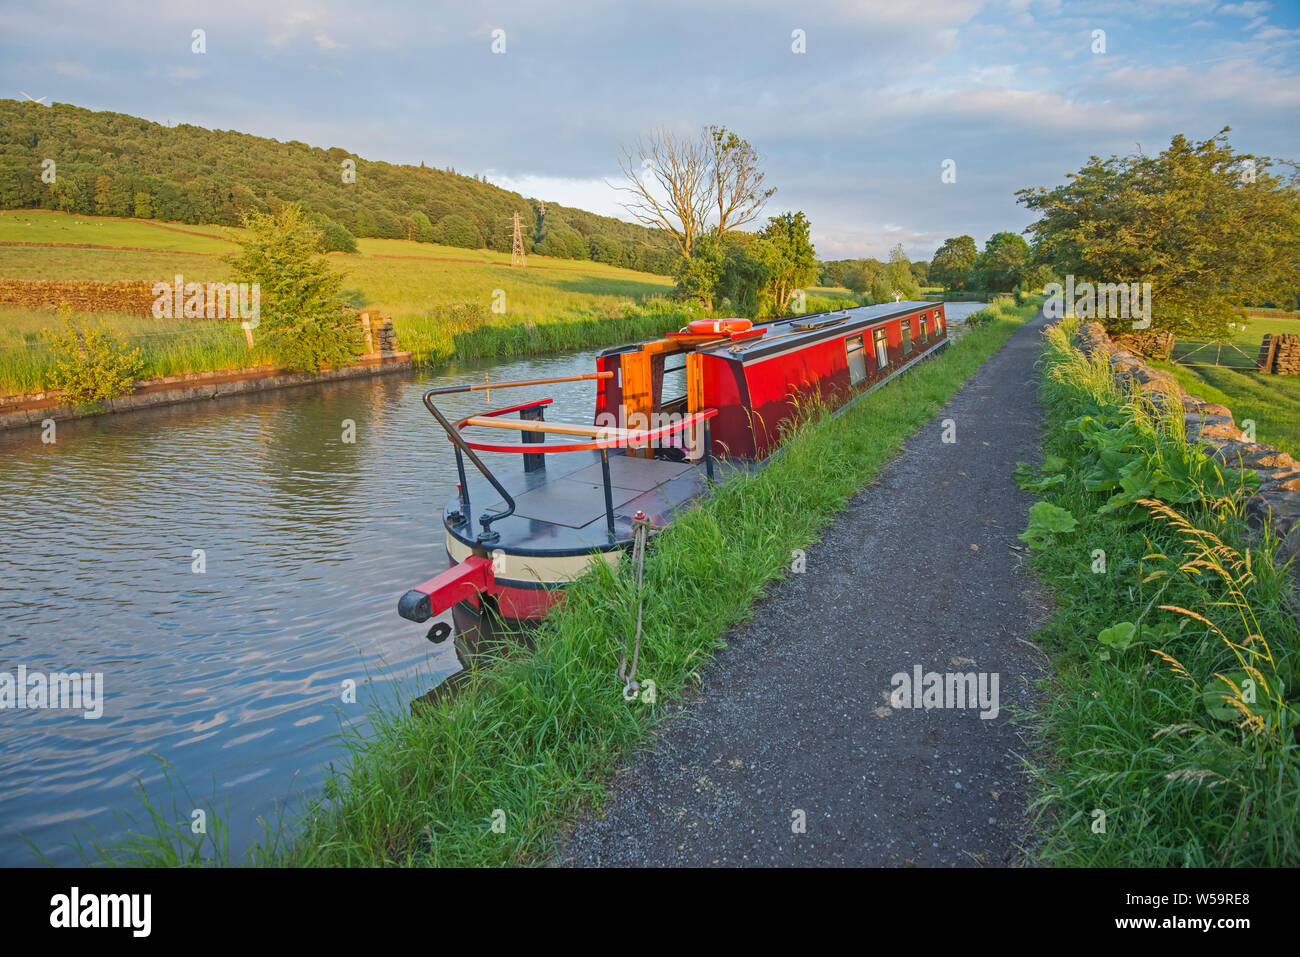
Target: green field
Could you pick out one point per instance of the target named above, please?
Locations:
(1272, 401)
(395, 276)
(415, 283)
(42, 226)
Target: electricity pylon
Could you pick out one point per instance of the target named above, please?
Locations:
(517, 257)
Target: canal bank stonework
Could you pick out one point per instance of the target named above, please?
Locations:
(33, 410)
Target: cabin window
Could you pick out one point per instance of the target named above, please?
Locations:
(882, 348)
(938, 323)
(907, 336)
(925, 328)
(857, 355)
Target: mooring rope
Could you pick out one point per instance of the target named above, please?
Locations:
(640, 531)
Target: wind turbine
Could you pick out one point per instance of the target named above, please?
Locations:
(32, 98)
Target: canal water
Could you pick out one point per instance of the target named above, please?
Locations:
(232, 570)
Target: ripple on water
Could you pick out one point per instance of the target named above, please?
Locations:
(234, 676)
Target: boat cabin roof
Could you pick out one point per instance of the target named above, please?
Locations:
(797, 331)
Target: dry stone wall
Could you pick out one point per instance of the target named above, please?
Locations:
(1277, 505)
(131, 296)
(1279, 354)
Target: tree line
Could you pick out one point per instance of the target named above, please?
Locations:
(1214, 231)
(881, 281)
(1006, 263)
(113, 164)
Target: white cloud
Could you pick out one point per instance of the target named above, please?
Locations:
(593, 195)
(1248, 9)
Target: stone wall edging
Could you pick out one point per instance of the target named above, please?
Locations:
(1277, 504)
(193, 387)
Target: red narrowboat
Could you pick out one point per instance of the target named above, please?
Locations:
(516, 540)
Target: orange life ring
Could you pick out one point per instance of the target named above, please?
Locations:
(718, 327)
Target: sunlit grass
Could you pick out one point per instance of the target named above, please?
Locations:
(1271, 401)
(168, 347)
(45, 226)
(1136, 770)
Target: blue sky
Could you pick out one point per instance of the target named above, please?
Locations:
(854, 131)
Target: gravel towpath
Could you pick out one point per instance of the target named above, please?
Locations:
(794, 722)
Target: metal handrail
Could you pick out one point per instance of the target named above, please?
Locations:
(617, 439)
(464, 448)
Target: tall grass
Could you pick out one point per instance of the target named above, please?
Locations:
(1170, 739)
(467, 330)
(528, 739)
(168, 347)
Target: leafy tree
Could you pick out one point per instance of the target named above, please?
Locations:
(457, 230)
(744, 281)
(898, 275)
(699, 275)
(786, 250)
(1002, 264)
(104, 195)
(302, 318)
(563, 242)
(738, 190)
(423, 227)
(953, 261)
(1211, 230)
(334, 237)
(1037, 277)
(857, 278)
(604, 250)
(366, 223)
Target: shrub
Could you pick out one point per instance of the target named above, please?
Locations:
(92, 362)
(335, 238)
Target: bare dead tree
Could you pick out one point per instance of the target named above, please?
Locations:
(670, 185)
(737, 180)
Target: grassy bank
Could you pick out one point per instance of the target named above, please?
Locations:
(468, 331)
(1171, 733)
(533, 736)
(1272, 401)
(167, 346)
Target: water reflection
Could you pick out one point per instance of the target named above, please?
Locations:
(235, 675)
